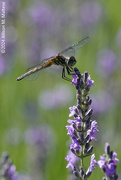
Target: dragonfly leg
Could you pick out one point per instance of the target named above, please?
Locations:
(63, 75)
(69, 70)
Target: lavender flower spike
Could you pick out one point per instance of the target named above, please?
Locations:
(108, 163)
(8, 170)
(81, 129)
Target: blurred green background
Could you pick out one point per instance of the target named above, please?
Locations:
(33, 114)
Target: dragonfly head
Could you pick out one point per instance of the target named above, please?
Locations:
(71, 61)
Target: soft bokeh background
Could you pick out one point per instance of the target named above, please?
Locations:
(33, 114)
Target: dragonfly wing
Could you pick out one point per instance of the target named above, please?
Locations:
(33, 76)
(70, 51)
(36, 74)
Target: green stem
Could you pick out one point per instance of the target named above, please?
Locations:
(82, 159)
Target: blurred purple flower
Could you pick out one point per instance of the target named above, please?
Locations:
(42, 15)
(13, 136)
(42, 143)
(107, 62)
(90, 13)
(55, 98)
(39, 135)
(102, 102)
(8, 170)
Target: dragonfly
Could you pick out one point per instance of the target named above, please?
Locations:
(65, 59)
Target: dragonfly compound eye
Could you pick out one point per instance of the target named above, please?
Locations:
(72, 61)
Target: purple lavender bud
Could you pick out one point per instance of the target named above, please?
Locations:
(82, 172)
(72, 111)
(90, 102)
(88, 124)
(78, 106)
(87, 98)
(89, 114)
(86, 139)
(87, 145)
(87, 106)
(107, 148)
(90, 150)
(76, 173)
(81, 84)
(111, 155)
(86, 90)
(77, 72)
(85, 76)
(90, 82)
(82, 114)
(87, 119)
(92, 166)
(74, 125)
(74, 81)
(71, 165)
(85, 151)
(78, 124)
(92, 163)
(71, 131)
(72, 150)
(76, 111)
(108, 165)
(88, 174)
(81, 137)
(92, 131)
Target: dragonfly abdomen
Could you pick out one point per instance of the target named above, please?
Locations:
(32, 71)
(27, 74)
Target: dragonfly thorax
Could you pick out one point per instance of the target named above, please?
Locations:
(71, 61)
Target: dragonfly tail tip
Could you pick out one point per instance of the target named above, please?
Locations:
(18, 79)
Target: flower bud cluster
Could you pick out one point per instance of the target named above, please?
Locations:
(82, 129)
(108, 163)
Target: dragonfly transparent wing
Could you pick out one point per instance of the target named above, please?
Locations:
(35, 75)
(70, 51)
